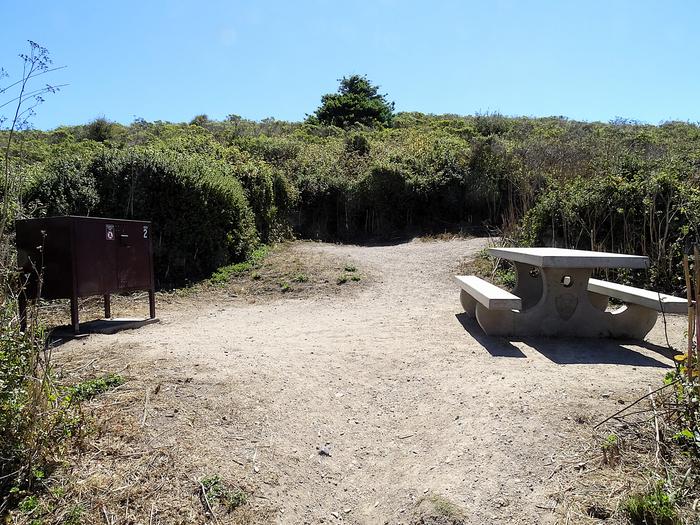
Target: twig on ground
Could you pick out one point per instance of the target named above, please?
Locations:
(656, 426)
(104, 511)
(145, 408)
(71, 372)
(635, 402)
(206, 500)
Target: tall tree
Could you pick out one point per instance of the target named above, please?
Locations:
(357, 102)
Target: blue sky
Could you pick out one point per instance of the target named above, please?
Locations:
(171, 60)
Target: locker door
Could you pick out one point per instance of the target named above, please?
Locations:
(133, 262)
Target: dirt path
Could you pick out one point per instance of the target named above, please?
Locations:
(404, 393)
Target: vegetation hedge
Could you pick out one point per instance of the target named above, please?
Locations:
(200, 213)
(618, 186)
(656, 214)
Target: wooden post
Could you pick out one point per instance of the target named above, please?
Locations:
(691, 313)
(74, 314)
(152, 303)
(108, 307)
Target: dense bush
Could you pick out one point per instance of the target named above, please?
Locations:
(64, 187)
(201, 217)
(269, 194)
(621, 186)
(655, 214)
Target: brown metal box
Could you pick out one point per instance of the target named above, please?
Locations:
(85, 256)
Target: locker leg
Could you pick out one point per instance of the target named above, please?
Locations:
(108, 309)
(74, 315)
(152, 303)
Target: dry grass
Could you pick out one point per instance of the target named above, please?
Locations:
(446, 236)
(296, 273)
(627, 457)
(434, 509)
(142, 461)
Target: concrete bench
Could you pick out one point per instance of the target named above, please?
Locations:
(638, 296)
(476, 290)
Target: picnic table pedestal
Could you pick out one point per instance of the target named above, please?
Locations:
(552, 284)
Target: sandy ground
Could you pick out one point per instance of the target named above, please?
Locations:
(406, 395)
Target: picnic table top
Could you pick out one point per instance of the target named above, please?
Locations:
(566, 258)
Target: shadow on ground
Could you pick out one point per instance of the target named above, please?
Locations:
(569, 351)
(62, 334)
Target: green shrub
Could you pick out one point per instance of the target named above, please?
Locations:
(619, 186)
(384, 198)
(64, 187)
(99, 130)
(269, 193)
(217, 492)
(93, 387)
(651, 213)
(201, 217)
(224, 274)
(652, 508)
(357, 143)
(35, 419)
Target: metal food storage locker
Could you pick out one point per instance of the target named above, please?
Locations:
(84, 256)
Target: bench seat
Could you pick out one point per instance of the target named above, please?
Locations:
(489, 295)
(645, 298)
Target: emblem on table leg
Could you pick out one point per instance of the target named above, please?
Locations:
(566, 305)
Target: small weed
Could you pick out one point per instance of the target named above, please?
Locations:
(344, 277)
(74, 515)
(687, 440)
(300, 278)
(434, 509)
(611, 450)
(57, 492)
(28, 504)
(92, 387)
(224, 274)
(350, 268)
(498, 271)
(653, 508)
(285, 287)
(256, 276)
(505, 277)
(217, 492)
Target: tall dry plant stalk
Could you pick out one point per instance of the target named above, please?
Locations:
(34, 419)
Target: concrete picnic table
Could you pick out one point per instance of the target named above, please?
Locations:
(559, 298)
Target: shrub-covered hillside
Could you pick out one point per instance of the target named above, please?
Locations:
(216, 188)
